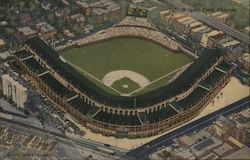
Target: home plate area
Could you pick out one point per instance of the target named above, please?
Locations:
(125, 81)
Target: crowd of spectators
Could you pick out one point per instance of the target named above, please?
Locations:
(129, 27)
(122, 31)
(136, 22)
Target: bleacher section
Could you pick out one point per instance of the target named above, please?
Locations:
(191, 99)
(117, 119)
(34, 66)
(56, 86)
(161, 114)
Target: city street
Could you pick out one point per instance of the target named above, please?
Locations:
(145, 150)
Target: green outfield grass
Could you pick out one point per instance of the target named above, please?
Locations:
(144, 57)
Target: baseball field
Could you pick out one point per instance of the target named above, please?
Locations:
(126, 66)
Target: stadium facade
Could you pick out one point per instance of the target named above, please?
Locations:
(135, 116)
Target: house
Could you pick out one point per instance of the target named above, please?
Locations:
(235, 52)
(78, 19)
(46, 30)
(62, 12)
(3, 23)
(101, 11)
(247, 30)
(202, 32)
(165, 13)
(223, 17)
(204, 39)
(181, 25)
(26, 33)
(194, 31)
(86, 9)
(25, 18)
(239, 154)
(223, 40)
(246, 62)
(213, 40)
(174, 16)
(110, 12)
(222, 127)
(3, 45)
(229, 44)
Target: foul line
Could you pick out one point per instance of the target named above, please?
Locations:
(158, 79)
(85, 72)
(137, 90)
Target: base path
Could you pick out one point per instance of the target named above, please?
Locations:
(113, 76)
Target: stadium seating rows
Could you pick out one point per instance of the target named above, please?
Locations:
(80, 105)
(191, 99)
(117, 119)
(213, 78)
(34, 65)
(161, 114)
(56, 86)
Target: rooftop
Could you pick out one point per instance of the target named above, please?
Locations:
(225, 147)
(194, 138)
(246, 57)
(45, 27)
(2, 42)
(196, 29)
(205, 145)
(186, 154)
(240, 154)
(26, 31)
(230, 43)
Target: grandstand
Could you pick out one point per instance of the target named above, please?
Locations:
(142, 115)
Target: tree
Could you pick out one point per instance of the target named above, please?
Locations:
(9, 31)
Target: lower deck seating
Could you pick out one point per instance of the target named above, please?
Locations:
(80, 105)
(213, 78)
(161, 114)
(117, 119)
(56, 86)
(34, 65)
(225, 66)
(191, 99)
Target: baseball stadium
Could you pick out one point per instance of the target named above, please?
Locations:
(126, 81)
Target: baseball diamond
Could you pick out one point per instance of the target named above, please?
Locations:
(79, 83)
